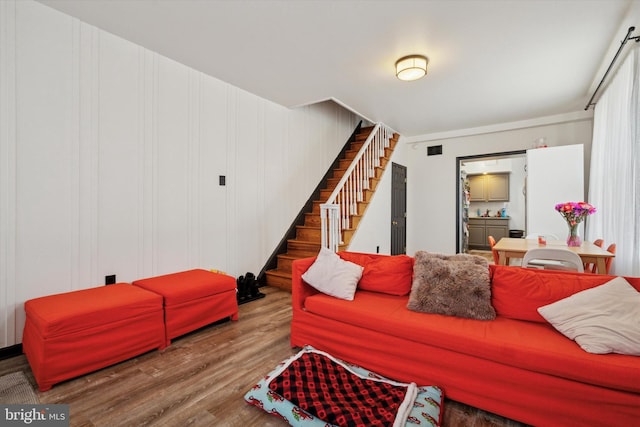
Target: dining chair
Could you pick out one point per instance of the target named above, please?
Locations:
(607, 263)
(589, 266)
(492, 243)
(592, 268)
(552, 259)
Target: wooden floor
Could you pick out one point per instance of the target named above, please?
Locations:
(201, 378)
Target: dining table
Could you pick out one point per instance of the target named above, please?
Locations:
(509, 247)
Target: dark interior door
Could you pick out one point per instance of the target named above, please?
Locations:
(398, 209)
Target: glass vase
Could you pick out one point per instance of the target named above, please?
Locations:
(573, 239)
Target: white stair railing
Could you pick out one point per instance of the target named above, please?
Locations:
(336, 212)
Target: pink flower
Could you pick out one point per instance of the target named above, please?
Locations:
(575, 212)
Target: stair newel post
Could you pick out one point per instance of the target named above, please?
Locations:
(330, 226)
(336, 228)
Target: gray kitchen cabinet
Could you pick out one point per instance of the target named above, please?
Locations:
(477, 236)
(489, 187)
(481, 228)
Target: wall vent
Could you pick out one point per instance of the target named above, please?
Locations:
(434, 150)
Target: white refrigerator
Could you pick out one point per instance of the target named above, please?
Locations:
(554, 175)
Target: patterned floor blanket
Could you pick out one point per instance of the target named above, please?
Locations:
(313, 388)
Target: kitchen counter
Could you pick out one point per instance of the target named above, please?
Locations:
(489, 217)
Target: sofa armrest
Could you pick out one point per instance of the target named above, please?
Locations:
(300, 289)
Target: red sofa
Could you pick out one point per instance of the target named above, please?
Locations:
(517, 365)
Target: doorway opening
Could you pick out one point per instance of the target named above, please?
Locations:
(509, 204)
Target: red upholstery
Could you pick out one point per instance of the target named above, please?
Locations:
(523, 370)
(391, 275)
(71, 334)
(193, 299)
(517, 293)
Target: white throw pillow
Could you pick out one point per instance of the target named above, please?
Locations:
(333, 276)
(604, 319)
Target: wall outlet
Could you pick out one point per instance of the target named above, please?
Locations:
(110, 280)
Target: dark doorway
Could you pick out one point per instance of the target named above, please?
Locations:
(398, 209)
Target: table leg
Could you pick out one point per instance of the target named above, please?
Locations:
(601, 266)
(502, 258)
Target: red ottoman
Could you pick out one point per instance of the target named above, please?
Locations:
(71, 334)
(193, 299)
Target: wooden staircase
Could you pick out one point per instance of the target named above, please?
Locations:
(307, 241)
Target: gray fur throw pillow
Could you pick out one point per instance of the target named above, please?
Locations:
(455, 285)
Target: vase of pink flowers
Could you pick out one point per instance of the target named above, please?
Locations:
(574, 213)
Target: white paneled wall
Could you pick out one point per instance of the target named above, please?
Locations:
(110, 156)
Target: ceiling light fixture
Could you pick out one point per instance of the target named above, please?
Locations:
(412, 67)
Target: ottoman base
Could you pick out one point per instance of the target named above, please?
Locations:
(193, 299)
(71, 334)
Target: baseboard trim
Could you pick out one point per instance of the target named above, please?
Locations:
(11, 351)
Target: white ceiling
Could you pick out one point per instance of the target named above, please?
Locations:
(491, 61)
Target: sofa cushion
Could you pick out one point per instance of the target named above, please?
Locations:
(69, 312)
(359, 258)
(455, 285)
(517, 292)
(387, 274)
(190, 285)
(524, 345)
(333, 276)
(604, 319)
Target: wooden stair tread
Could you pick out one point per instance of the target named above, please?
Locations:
(305, 242)
(289, 256)
(279, 273)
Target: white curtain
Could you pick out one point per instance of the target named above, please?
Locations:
(614, 183)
